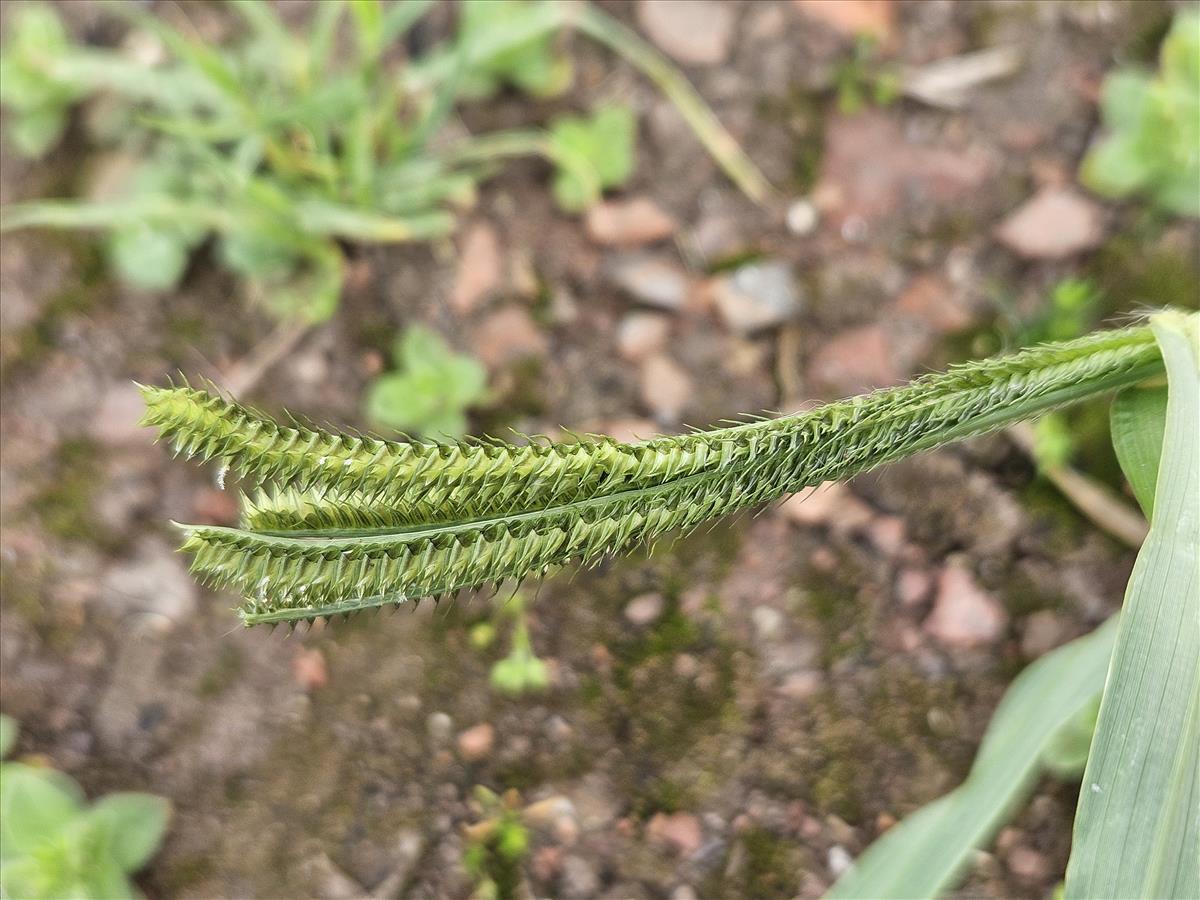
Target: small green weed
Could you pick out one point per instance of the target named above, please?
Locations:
(56, 846)
(497, 845)
(431, 388)
(286, 146)
(865, 79)
(520, 672)
(1153, 144)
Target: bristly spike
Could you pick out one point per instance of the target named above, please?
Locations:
(346, 522)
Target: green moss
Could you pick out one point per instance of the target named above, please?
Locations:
(65, 506)
(762, 865)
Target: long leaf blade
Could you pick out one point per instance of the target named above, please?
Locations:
(924, 854)
(1138, 416)
(1137, 833)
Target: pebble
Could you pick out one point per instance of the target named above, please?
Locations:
(856, 360)
(932, 301)
(680, 832)
(853, 18)
(480, 268)
(665, 388)
(476, 742)
(651, 281)
(757, 296)
(802, 218)
(802, 685)
(644, 609)
(767, 621)
(684, 892)
(912, 586)
(641, 335)
(964, 615)
(695, 32)
(508, 335)
(629, 223)
(839, 860)
(887, 533)
(1055, 223)
(831, 504)
(439, 725)
(309, 669)
(1028, 864)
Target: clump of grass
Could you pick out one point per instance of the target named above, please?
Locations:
(287, 146)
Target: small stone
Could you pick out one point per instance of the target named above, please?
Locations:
(680, 832)
(665, 388)
(651, 281)
(695, 32)
(476, 742)
(832, 504)
(579, 879)
(887, 533)
(508, 335)
(855, 361)
(1028, 864)
(932, 301)
(853, 18)
(547, 863)
(641, 335)
(912, 586)
(767, 621)
(839, 860)
(757, 296)
(212, 506)
(480, 268)
(802, 218)
(439, 725)
(628, 223)
(964, 615)
(558, 729)
(644, 609)
(686, 666)
(1044, 630)
(684, 892)
(1055, 223)
(309, 669)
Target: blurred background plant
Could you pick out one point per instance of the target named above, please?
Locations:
(291, 147)
(53, 845)
(430, 390)
(497, 845)
(1153, 143)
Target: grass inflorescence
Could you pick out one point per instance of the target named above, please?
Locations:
(344, 522)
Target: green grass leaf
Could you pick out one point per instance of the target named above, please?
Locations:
(1034, 724)
(1136, 831)
(1139, 417)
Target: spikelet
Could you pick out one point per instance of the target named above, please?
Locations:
(351, 522)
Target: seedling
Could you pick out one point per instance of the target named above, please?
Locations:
(54, 845)
(1153, 143)
(520, 672)
(430, 390)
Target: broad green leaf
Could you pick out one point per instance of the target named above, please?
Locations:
(925, 853)
(1138, 418)
(36, 804)
(1117, 166)
(149, 257)
(1124, 97)
(9, 729)
(135, 824)
(1137, 833)
(592, 154)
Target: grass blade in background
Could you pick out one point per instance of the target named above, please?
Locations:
(1137, 833)
(925, 853)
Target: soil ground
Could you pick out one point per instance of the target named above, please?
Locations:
(786, 685)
